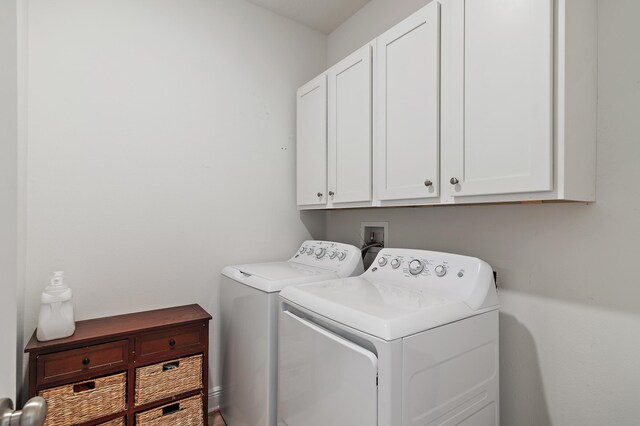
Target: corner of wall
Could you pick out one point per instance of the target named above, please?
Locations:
(22, 51)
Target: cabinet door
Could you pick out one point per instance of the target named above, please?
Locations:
(498, 86)
(349, 124)
(406, 139)
(312, 142)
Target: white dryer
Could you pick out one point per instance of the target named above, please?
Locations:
(249, 324)
(412, 341)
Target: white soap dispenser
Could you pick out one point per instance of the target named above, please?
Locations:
(56, 311)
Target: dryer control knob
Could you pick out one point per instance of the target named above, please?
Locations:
(342, 255)
(415, 267)
(333, 254)
(395, 263)
(320, 253)
(382, 261)
(310, 251)
(302, 249)
(440, 270)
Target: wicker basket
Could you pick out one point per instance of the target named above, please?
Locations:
(168, 378)
(186, 412)
(115, 422)
(80, 402)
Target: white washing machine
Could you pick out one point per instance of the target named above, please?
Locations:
(249, 324)
(412, 341)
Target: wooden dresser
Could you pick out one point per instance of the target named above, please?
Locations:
(147, 368)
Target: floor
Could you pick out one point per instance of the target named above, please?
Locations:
(215, 419)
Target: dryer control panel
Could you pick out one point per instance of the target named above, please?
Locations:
(449, 275)
(330, 255)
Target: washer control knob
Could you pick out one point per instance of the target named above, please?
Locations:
(395, 263)
(302, 249)
(320, 253)
(440, 270)
(310, 251)
(333, 254)
(415, 267)
(382, 261)
(342, 255)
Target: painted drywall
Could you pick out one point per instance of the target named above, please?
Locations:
(160, 149)
(8, 195)
(373, 19)
(570, 310)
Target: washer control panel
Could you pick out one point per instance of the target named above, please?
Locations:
(330, 255)
(412, 266)
(451, 275)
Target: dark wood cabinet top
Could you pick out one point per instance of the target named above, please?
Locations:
(88, 331)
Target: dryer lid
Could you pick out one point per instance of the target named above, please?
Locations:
(384, 310)
(280, 271)
(392, 300)
(274, 276)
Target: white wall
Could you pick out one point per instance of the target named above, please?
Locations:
(570, 299)
(161, 148)
(8, 195)
(373, 19)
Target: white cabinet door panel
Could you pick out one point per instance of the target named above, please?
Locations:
(406, 149)
(349, 124)
(312, 142)
(323, 379)
(502, 134)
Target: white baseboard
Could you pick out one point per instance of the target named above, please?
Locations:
(214, 398)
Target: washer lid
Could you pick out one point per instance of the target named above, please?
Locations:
(383, 309)
(274, 276)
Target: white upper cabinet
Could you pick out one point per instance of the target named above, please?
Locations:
(474, 101)
(406, 105)
(500, 132)
(312, 143)
(349, 129)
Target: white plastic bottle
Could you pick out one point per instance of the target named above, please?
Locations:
(56, 311)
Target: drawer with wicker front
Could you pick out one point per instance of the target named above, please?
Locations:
(121, 421)
(168, 378)
(85, 401)
(186, 412)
